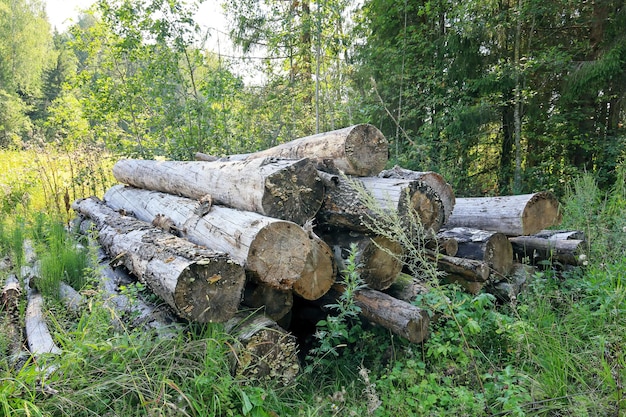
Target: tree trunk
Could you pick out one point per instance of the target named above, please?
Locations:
(472, 287)
(9, 303)
(360, 150)
(198, 283)
(491, 247)
(264, 351)
(398, 316)
(445, 246)
(539, 249)
(289, 190)
(560, 234)
(275, 252)
(274, 303)
(512, 215)
(407, 288)
(320, 270)
(345, 206)
(432, 179)
(39, 337)
(468, 269)
(379, 259)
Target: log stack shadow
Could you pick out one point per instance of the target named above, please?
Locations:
(252, 238)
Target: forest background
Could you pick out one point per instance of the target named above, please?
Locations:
(498, 96)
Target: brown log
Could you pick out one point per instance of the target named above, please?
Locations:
(512, 215)
(445, 246)
(360, 150)
(400, 317)
(491, 247)
(264, 351)
(345, 205)
(407, 288)
(198, 283)
(468, 269)
(275, 252)
(379, 258)
(320, 270)
(432, 179)
(274, 303)
(472, 287)
(289, 190)
(539, 249)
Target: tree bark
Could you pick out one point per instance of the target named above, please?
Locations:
(491, 247)
(275, 252)
(432, 179)
(537, 249)
(289, 190)
(398, 316)
(264, 351)
(345, 206)
(9, 303)
(512, 215)
(468, 269)
(198, 283)
(39, 338)
(360, 150)
(378, 258)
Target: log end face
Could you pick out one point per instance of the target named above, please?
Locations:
(541, 212)
(319, 274)
(499, 253)
(367, 150)
(426, 204)
(417, 328)
(210, 290)
(295, 194)
(381, 268)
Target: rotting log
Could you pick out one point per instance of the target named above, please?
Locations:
(72, 299)
(10, 320)
(406, 288)
(468, 269)
(360, 150)
(199, 284)
(39, 338)
(400, 317)
(433, 179)
(284, 189)
(274, 303)
(379, 259)
(274, 251)
(535, 249)
(513, 215)
(263, 350)
(491, 247)
(345, 204)
(10, 296)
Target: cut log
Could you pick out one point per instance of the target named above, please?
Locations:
(274, 251)
(10, 320)
(72, 299)
(508, 290)
(379, 259)
(472, 287)
(264, 351)
(10, 296)
(468, 269)
(512, 215)
(445, 246)
(433, 179)
(400, 317)
(407, 288)
(39, 338)
(198, 283)
(491, 247)
(319, 272)
(360, 150)
(283, 189)
(540, 249)
(346, 207)
(274, 303)
(560, 234)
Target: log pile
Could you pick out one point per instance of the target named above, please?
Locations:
(265, 231)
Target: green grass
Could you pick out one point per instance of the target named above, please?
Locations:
(558, 350)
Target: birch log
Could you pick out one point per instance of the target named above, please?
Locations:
(360, 150)
(432, 179)
(512, 215)
(274, 251)
(283, 189)
(347, 205)
(491, 247)
(198, 283)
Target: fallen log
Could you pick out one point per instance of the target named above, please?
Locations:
(72, 299)
(432, 179)
(275, 252)
(198, 283)
(482, 245)
(400, 317)
(10, 322)
(319, 272)
(345, 206)
(284, 189)
(469, 269)
(538, 249)
(275, 304)
(39, 338)
(472, 287)
(263, 350)
(507, 290)
(445, 246)
(407, 288)
(512, 215)
(379, 259)
(360, 150)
